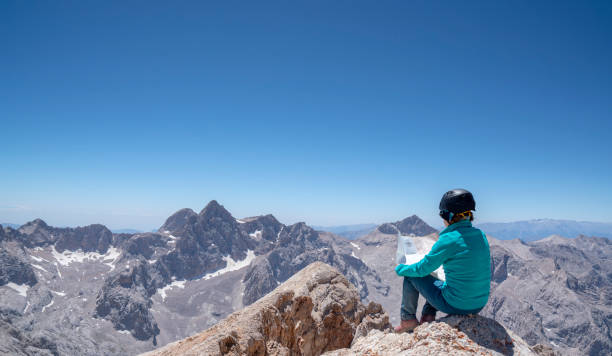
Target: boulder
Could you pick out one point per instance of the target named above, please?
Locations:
(451, 335)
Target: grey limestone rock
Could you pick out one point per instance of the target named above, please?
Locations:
(16, 270)
(452, 335)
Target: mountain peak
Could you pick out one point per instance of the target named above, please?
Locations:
(410, 225)
(177, 220)
(33, 225)
(214, 209)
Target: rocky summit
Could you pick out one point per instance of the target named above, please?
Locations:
(451, 335)
(318, 311)
(314, 311)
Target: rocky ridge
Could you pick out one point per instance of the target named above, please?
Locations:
(317, 311)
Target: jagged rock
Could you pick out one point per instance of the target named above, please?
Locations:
(298, 246)
(315, 311)
(91, 238)
(177, 220)
(17, 342)
(268, 226)
(14, 269)
(125, 299)
(145, 244)
(258, 281)
(204, 240)
(452, 335)
(35, 233)
(265, 230)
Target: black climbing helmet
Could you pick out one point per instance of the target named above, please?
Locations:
(457, 201)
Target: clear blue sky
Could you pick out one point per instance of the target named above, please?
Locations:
(329, 112)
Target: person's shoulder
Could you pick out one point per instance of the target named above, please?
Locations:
(449, 237)
(476, 231)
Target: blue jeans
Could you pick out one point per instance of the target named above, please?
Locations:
(431, 289)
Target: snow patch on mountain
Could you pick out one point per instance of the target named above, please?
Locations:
(162, 292)
(68, 257)
(22, 289)
(232, 265)
(39, 267)
(48, 305)
(36, 258)
(111, 255)
(256, 235)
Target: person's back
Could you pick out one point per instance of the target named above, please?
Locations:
(463, 251)
(468, 267)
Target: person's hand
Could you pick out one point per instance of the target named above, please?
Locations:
(398, 268)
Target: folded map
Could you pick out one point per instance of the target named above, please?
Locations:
(409, 252)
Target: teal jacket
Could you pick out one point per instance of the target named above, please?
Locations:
(463, 251)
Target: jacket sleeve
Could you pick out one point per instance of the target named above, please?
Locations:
(439, 253)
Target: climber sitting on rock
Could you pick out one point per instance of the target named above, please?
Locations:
(463, 251)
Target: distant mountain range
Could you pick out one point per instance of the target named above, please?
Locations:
(89, 291)
(114, 231)
(526, 230)
(532, 230)
(14, 226)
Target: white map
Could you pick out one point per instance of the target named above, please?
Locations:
(409, 252)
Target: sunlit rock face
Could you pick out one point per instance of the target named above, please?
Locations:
(452, 335)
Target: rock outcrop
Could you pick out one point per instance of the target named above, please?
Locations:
(296, 247)
(125, 299)
(14, 269)
(205, 239)
(315, 311)
(452, 335)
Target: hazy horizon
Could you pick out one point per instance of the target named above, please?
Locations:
(436, 223)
